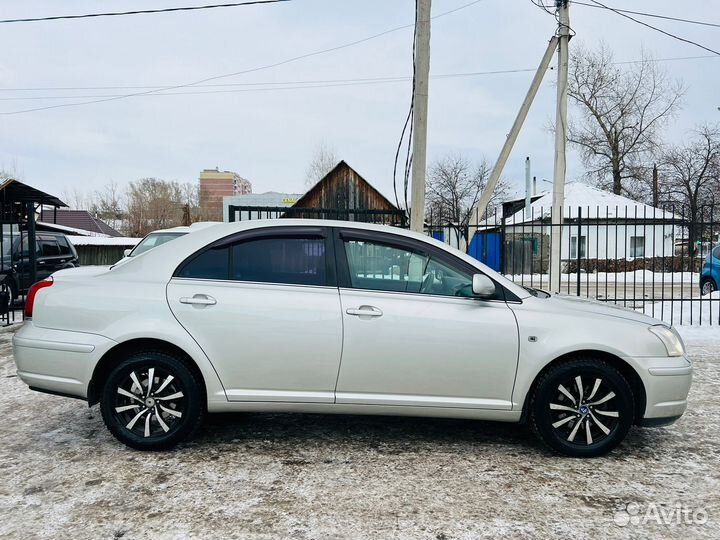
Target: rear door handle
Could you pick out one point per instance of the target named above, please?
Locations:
(199, 300)
(365, 311)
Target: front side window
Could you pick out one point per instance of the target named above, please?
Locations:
(384, 267)
(293, 261)
(716, 252)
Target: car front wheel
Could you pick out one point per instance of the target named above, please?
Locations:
(582, 408)
(708, 286)
(152, 400)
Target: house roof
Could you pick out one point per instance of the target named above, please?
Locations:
(341, 164)
(15, 191)
(78, 220)
(594, 203)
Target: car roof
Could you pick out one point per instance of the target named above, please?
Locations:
(163, 260)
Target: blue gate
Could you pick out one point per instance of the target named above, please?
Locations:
(486, 247)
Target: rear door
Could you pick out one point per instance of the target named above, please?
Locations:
(265, 308)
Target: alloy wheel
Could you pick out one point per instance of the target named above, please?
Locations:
(149, 402)
(584, 411)
(707, 287)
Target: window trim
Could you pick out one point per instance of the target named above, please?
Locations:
(402, 242)
(265, 234)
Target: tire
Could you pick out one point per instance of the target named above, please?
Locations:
(708, 286)
(560, 416)
(169, 413)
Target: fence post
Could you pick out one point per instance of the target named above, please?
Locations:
(32, 254)
(578, 244)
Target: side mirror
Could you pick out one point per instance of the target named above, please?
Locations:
(482, 286)
(127, 252)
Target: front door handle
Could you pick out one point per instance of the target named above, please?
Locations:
(365, 311)
(199, 300)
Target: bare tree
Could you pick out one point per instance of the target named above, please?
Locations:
(78, 199)
(622, 110)
(110, 205)
(454, 187)
(154, 204)
(690, 176)
(323, 161)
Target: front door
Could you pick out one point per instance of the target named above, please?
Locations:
(413, 333)
(265, 309)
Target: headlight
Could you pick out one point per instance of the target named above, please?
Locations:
(670, 338)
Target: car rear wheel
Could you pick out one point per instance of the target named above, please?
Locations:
(708, 286)
(582, 408)
(152, 400)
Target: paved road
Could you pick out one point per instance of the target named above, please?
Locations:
(314, 477)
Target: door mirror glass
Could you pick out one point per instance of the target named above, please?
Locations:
(482, 286)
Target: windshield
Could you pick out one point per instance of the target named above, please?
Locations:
(154, 240)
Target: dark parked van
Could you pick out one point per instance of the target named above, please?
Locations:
(53, 251)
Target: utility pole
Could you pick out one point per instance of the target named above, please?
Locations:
(528, 188)
(656, 187)
(420, 109)
(514, 131)
(560, 145)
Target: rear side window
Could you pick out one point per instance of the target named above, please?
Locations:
(297, 261)
(292, 261)
(49, 246)
(716, 252)
(210, 264)
(64, 246)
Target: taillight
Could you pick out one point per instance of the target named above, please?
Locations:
(34, 288)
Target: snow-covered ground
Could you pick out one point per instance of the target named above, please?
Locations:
(303, 477)
(696, 317)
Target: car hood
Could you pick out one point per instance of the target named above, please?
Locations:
(586, 305)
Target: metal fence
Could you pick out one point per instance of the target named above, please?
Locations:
(652, 260)
(18, 263)
(384, 217)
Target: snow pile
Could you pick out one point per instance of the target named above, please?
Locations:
(701, 312)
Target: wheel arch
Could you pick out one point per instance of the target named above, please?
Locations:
(627, 371)
(111, 358)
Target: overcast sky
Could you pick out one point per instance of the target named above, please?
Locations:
(268, 136)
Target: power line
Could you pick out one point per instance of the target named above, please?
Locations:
(654, 15)
(243, 72)
(271, 83)
(297, 84)
(669, 34)
(140, 11)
